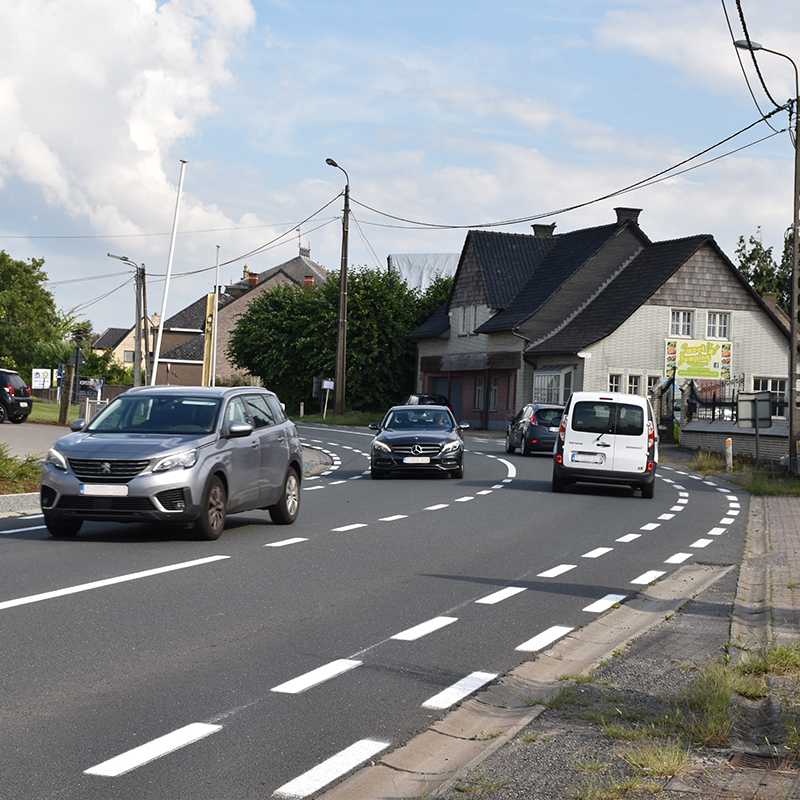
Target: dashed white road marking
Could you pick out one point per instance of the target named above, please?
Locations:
(393, 518)
(701, 543)
(150, 751)
(356, 478)
(436, 507)
(597, 552)
(683, 494)
(556, 571)
(424, 628)
(682, 501)
(459, 690)
(604, 603)
(352, 527)
(22, 530)
(330, 769)
(32, 516)
(678, 558)
(734, 505)
(497, 486)
(716, 532)
(732, 498)
(709, 483)
(676, 508)
(484, 492)
(696, 477)
(543, 639)
(629, 537)
(648, 577)
(336, 483)
(727, 521)
(499, 596)
(316, 676)
(724, 491)
(650, 526)
(506, 480)
(666, 516)
(285, 542)
(464, 499)
(667, 480)
(681, 473)
(312, 488)
(85, 587)
(732, 512)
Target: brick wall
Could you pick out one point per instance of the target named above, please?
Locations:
(469, 289)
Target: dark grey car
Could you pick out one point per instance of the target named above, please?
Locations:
(187, 455)
(534, 429)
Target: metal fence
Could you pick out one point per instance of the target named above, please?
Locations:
(713, 400)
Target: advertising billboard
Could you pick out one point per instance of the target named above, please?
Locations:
(699, 358)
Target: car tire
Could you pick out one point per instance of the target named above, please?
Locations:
(458, 474)
(376, 475)
(213, 509)
(557, 485)
(19, 418)
(3, 414)
(649, 490)
(60, 528)
(510, 447)
(285, 511)
(525, 450)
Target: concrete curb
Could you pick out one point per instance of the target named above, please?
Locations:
(431, 763)
(315, 462)
(26, 503)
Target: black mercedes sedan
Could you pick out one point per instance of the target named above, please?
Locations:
(415, 439)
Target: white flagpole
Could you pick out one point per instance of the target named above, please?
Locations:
(169, 274)
(216, 322)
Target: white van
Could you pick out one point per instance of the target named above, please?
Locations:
(607, 438)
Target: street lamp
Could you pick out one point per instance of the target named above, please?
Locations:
(341, 344)
(141, 312)
(793, 333)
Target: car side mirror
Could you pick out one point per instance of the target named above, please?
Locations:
(463, 426)
(283, 407)
(374, 426)
(239, 430)
(77, 425)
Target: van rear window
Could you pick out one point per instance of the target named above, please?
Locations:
(630, 421)
(592, 417)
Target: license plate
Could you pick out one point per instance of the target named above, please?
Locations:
(553, 430)
(416, 460)
(23, 405)
(104, 490)
(588, 458)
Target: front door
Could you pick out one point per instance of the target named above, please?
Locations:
(272, 446)
(245, 459)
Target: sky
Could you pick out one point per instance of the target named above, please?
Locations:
(449, 111)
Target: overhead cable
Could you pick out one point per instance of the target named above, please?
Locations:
(753, 54)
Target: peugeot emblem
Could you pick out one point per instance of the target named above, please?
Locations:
(416, 449)
(105, 467)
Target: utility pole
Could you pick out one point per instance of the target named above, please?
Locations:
(216, 323)
(341, 345)
(146, 325)
(137, 328)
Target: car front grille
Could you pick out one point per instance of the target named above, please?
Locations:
(421, 449)
(105, 504)
(106, 471)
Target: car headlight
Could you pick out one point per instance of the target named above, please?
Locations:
(384, 448)
(55, 459)
(451, 447)
(186, 459)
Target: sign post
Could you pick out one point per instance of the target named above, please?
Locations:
(327, 385)
(754, 410)
(40, 378)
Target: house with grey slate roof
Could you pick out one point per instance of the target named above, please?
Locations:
(532, 318)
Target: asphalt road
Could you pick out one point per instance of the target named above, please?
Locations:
(162, 684)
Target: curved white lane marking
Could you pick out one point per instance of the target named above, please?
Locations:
(511, 470)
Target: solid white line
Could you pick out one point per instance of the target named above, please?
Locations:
(650, 526)
(666, 516)
(284, 542)
(555, 571)
(330, 769)
(648, 577)
(152, 750)
(352, 527)
(511, 470)
(484, 492)
(676, 508)
(499, 596)
(727, 521)
(316, 676)
(459, 690)
(22, 530)
(716, 532)
(393, 518)
(701, 543)
(32, 516)
(465, 499)
(597, 552)
(85, 587)
(629, 537)
(437, 507)
(543, 639)
(678, 558)
(424, 628)
(604, 603)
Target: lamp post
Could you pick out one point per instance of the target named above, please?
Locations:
(137, 336)
(341, 344)
(793, 332)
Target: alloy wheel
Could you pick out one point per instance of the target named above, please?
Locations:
(216, 508)
(292, 494)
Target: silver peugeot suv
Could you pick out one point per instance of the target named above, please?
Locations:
(175, 454)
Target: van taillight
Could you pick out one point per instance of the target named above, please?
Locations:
(651, 435)
(559, 458)
(562, 429)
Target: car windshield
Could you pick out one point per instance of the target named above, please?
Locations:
(419, 420)
(162, 414)
(549, 416)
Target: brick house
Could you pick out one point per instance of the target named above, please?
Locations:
(536, 317)
(184, 341)
(121, 343)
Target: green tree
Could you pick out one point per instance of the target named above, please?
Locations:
(758, 265)
(28, 315)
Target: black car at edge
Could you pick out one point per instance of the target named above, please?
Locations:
(417, 438)
(16, 400)
(534, 429)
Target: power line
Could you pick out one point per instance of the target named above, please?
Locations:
(87, 278)
(365, 240)
(648, 181)
(753, 54)
(741, 65)
(83, 306)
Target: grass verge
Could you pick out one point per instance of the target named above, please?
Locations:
(759, 482)
(47, 413)
(18, 475)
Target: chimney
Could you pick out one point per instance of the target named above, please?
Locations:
(305, 251)
(542, 231)
(628, 214)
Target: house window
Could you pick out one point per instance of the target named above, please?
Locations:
(493, 387)
(308, 280)
(547, 387)
(128, 356)
(777, 387)
(681, 323)
(567, 387)
(477, 399)
(634, 384)
(615, 382)
(652, 384)
(719, 325)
